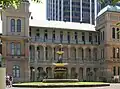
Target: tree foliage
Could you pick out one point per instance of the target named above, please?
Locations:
(112, 2)
(15, 3)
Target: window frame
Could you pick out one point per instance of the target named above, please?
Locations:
(18, 25)
(16, 71)
(12, 25)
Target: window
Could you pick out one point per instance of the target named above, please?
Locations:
(53, 38)
(118, 33)
(18, 25)
(113, 33)
(95, 38)
(118, 70)
(76, 37)
(16, 71)
(75, 53)
(12, 25)
(18, 48)
(90, 37)
(118, 52)
(46, 53)
(89, 51)
(15, 48)
(83, 36)
(54, 54)
(82, 54)
(68, 37)
(12, 48)
(45, 35)
(114, 70)
(113, 52)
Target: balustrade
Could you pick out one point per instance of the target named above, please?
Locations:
(38, 39)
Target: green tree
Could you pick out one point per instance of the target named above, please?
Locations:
(112, 2)
(15, 3)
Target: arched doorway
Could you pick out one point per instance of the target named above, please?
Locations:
(81, 74)
(49, 72)
(32, 74)
(73, 73)
(40, 74)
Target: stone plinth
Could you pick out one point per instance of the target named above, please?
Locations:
(2, 78)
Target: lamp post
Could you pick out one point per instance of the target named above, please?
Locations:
(60, 53)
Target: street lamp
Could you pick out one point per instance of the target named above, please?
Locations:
(60, 53)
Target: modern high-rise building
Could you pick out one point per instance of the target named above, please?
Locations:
(72, 10)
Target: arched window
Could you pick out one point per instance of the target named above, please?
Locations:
(12, 25)
(16, 71)
(118, 33)
(18, 25)
(75, 53)
(113, 52)
(113, 33)
(46, 51)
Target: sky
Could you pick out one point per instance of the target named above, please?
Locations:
(38, 10)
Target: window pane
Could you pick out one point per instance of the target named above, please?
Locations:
(18, 49)
(18, 25)
(12, 25)
(113, 33)
(12, 48)
(18, 73)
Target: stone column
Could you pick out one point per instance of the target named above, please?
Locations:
(84, 53)
(2, 78)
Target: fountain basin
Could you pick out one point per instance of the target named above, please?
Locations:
(59, 80)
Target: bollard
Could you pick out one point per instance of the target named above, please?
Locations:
(2, 78)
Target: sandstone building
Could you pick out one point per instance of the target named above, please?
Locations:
(29, 46)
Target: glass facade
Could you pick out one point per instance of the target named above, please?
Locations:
(72, 10)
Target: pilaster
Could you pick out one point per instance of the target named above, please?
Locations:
(44, 52)
(84, 73)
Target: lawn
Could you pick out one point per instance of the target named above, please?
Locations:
(65, 83)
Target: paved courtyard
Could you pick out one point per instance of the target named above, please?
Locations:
(113, 86)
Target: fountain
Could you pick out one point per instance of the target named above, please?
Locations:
(60, 70)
